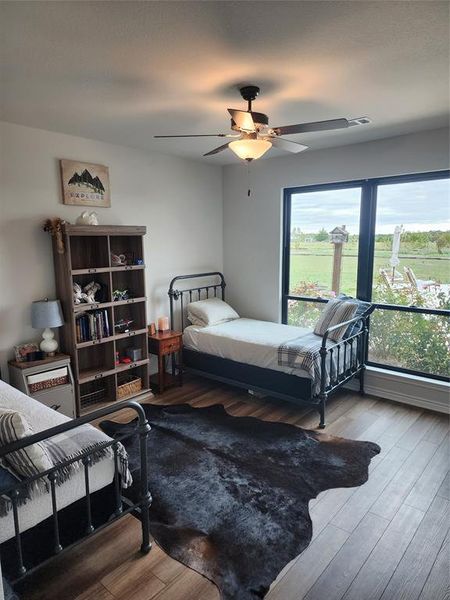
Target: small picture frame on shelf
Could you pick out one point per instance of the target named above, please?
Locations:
(22, 350)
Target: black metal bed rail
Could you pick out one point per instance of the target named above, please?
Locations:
(342, 360)
(142, 504)
(191, 293)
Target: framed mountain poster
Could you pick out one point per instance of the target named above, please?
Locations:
(85, 184)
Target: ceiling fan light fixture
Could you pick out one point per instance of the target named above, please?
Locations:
(250, 149)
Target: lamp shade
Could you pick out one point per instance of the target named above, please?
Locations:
(46, 313)
(249, 149)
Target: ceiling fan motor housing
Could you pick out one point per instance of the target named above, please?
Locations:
(249, 92)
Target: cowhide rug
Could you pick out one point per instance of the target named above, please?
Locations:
(230, 494)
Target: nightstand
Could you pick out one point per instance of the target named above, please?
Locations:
(167, 343)
(49, 381)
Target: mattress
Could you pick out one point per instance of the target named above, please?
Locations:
(39, 508)
(246, 341)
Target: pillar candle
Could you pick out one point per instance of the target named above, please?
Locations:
(163, 323)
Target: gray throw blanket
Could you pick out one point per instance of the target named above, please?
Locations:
(66, 446)
(304, 353)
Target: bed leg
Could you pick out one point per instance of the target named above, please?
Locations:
(323, 401)
(146, 545)
(146, 497)
(362, 374)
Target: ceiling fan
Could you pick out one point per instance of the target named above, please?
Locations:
(255, 137)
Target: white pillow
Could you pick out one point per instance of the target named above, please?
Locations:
(29, 461)
(210, 312)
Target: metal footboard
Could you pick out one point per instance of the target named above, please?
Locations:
(341, 361)
(141, 505)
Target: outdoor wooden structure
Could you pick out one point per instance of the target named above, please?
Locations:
(338, 237)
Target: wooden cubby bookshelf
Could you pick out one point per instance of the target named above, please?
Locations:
(87, 257)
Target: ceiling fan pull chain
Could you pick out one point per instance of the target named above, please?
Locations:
(249, 191)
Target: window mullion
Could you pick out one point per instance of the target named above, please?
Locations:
(366, 246)
(286, 253)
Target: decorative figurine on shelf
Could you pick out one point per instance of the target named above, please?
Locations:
(78, 295)
(87, 218)
(121, 295)
(90, 290)
(93, 218)
(91, 293)
(54, 227)
(125, 360)
(123, 325)
(118, 260)
(139, 261)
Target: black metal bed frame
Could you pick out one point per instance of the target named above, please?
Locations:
(347, 358)
(122, 505)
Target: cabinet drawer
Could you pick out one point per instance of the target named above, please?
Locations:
(60, 399)
(169, 346)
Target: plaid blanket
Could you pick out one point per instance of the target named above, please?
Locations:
(304, 353)
(66, 446)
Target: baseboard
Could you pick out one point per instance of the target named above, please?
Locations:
(407, 389)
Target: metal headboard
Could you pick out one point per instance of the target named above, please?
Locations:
(199, 292)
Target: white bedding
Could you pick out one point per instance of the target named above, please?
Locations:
(246, 341)
(39, 508)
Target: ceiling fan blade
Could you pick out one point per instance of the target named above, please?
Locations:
(216, 150)
(314, 126)
(359, 121)
(243, 119)
(287, 145)
(226, 135)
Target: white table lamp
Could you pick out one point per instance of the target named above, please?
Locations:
(45, 314)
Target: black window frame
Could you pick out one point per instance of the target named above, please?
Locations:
(366, 247)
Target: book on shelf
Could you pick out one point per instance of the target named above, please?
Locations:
(92, 325)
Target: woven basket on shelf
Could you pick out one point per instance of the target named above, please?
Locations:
(129, 387)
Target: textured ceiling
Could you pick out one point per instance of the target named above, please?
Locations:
(122, 72)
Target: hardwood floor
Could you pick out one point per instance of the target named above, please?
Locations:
(387, 540)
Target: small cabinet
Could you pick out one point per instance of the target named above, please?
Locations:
(49, 381)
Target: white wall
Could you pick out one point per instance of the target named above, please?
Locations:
(180, 202)
(253, 226)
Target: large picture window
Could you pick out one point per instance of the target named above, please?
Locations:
(384, 240)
